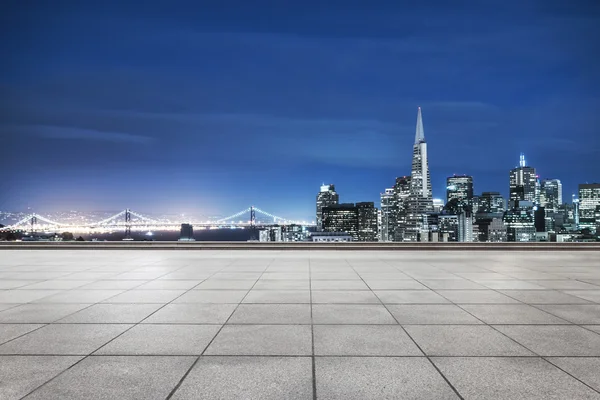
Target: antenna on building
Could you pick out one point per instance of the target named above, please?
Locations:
(522, 160)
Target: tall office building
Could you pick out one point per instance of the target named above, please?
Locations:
(401, 192)
(520, 225)
(326, 197)
(420, 200)
(589, 199)
(341, 218)
(465, 227)
(387, 223)
(459, 187)
(551, 194)
(491, 202)
(523, 182)
(367, 222)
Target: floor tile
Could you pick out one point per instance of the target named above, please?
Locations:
(278, 296)
(80, 296)
(398, 284)
(410, 297)
(351, 314)
(590, 295)
(431, 314)
(582, 314)
(476, 297)
(544, 297)
(39, 313)
(145, 296)
(271, 314)
(509, 378)
(11, 331)
(363, 340)
(263, 284)
(111, 314)
(339, 285)
(162, 340)
(212, 296)
(463, 340)
(267, 378)
(379, 378)
(344, 297)
(63, 339)
(167, 284)
(262, 340)
(22, 374)
(25, 296)
(511, 314)
(117, 377)
(192, 314)
(227, 284)
(554, 340)
(583, 368)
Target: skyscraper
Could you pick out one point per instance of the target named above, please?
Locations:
(401, 192)
(420, 200)
(367, 221)
(459, 187)
(551, 194)
(326, 197)
(589, 199)
(388, 215)
(523, 182)
(491, 202)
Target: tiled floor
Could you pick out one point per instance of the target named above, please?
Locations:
(154, 324)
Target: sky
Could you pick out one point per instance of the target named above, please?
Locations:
(210, 107)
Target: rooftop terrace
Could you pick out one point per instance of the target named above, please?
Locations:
(299, 324)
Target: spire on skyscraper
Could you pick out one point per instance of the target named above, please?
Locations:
(522, 161)
(420, 135)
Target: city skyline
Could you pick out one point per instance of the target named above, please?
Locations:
(209, 109)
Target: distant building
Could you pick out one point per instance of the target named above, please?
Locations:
(367, 222)
(420, 201)
(465, 227)
(341, 218)
(589, 199)
(520, 225)
(358, 220)
(293, 233)
(325, 198)
(330, 237)
(186, 234)
(460, 187)
(491, 230)
(270, 234)
(401, 192)
(438, 205)
(387, 212)
(551, 194)
(523, 182)
(491, 202)
(448, 228)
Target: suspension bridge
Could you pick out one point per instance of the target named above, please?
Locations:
(130, 221)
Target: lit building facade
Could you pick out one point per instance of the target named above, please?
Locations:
(387, 212)
(589, 199)
(326, 197)
(341, 218)
(520, 226)
(491, 202)
(523, 182)
(402, 189)
(551, 194)
(459, 187)
(420, 200)
(367, 222)
(465, 227)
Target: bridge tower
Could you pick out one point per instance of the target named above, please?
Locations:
(253, 224)
(33, 222)
(127, 224)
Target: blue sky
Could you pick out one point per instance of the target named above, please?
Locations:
(210, 107)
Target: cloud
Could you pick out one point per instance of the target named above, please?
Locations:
(69, 133)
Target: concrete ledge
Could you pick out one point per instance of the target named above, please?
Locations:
(595, 246)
